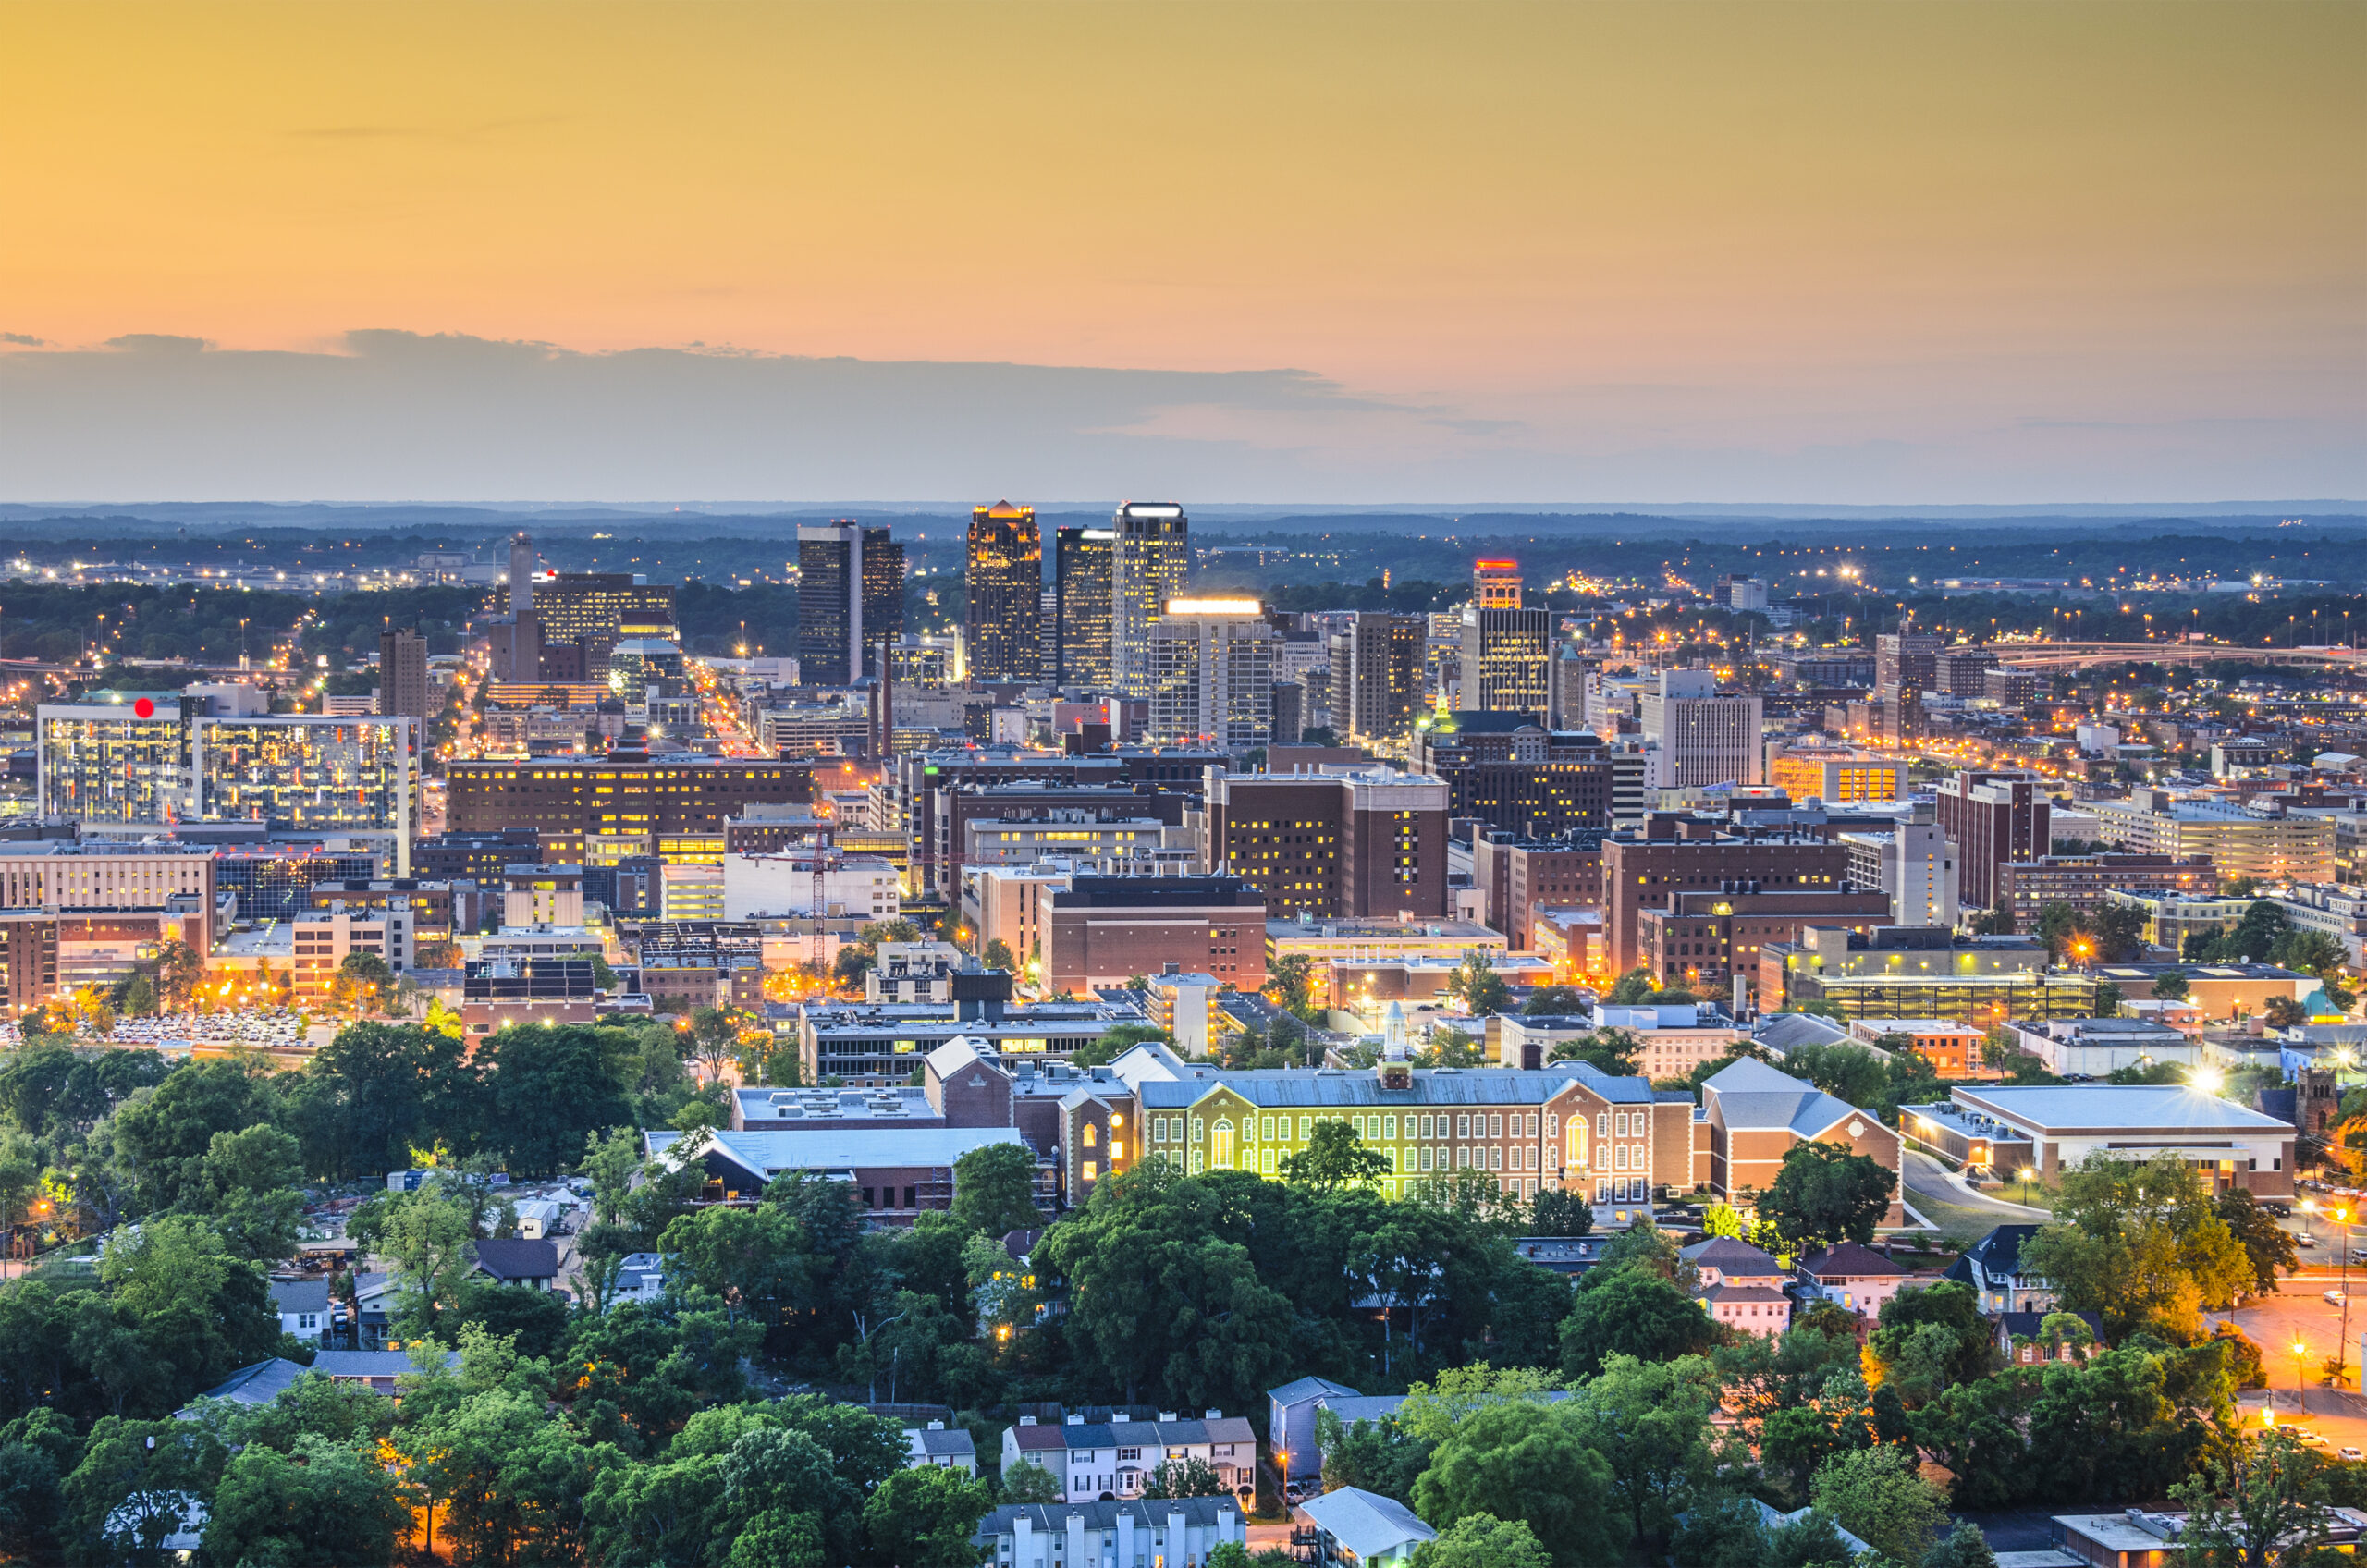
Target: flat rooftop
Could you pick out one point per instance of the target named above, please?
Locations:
(2115, 1108)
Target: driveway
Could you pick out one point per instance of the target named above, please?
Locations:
(1956, 1209)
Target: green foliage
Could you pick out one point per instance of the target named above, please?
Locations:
(1380, 1456)
(2141, 1243)
(1605, 1050)
(1188, 1476)
(994, 1190)
(1877, 1495)
(1116, 1042)
(1845, 1071)
(1649, 1422)
(2261, 1502)
(1720, 1530)
(1334, 1158)
(1631, 1312)
(1557, 1212)
(1825, 1193)
(1027, 1481)
(1482, 1540)
(1520, 1461)
(925, 1517)
(320, 1503)
(1476, 985)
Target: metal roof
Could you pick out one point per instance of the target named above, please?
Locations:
(1367, 1523)
(833, 1148)
(2121, 1108)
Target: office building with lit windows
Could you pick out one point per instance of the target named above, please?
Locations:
(1003, 626)
(849, 599)
(1082, 568)
(596, 811)
(1151, 560)
(1342, 841)
(1506, 660)
(1376, 676)
(1212, 665)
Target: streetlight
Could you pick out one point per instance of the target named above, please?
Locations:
(2030, 1174)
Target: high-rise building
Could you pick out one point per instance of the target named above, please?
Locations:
(517, 642)
(1701, 738)
(1004, 623)
(1290, 711)
(1904, 658)
(581, 616)
(1513, 775)
(1672, 854)
(594, 811)
(1212, 674)
(1149, 562)
(1506, 662)
(1993, 817)
(850, 598)
(1343, 842)
(402, 674)
(1495, 585)
(1082, 566)
(1376, 676)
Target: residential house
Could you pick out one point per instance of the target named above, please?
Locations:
(1361, 1529)
(516, 1261)
(1290, 1422)
(1992, 1266)
(1773, 1519)
(641, 1277)
(1178, 1532)
(1854, 1277)
(1741, 1286)
(1113, 1459)
(2021, 1338)
(304, 1308)
(934, 1445)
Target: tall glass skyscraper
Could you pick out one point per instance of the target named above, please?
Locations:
(1150, 562)
(1004, 624)
(849, 599)
(1080, 563)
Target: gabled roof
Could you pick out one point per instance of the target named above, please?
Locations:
(953, 1441)
(1752, 1095)
(2000, 1252)
(259, 1384)
(1728, 1256)
(1367, 1523)
(1296, 1087)
(1848, 1261)
(1742, 1292)
(300, 1295)
(371, 1362)
(764, 1154)
(1051, 1518)
(513, 1257)
(1308, 1388)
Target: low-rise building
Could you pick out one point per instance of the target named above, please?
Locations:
(1917, 971)
(2142, 1537)
(1345, 945)
(2094, 1048)
(2226, 1143)
(899, 1172)
(2087, 882)
(496, 993)
(1179, 1533)
(1741, 1288)
(2220, 992)
(948, 1449)
(1356, 1529)
(1114, 1460)
(863, 1045)
(907, 973)
(1757, 1115)
(1992, 1266)
(1699, 941)
(1105, 929)
(1854, 1277)
(1953, 1048)
(2254, 841)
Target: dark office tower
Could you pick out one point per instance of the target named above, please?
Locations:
(402, 673)
(1081, 566)
(1149, 561)
(883, 593)
(849, 597)
(1005, 623)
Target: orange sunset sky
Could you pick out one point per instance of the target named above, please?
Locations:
(1383, 252)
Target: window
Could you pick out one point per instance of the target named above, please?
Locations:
(1220, 1146)
(1391, 1122)
(1495, 1126)
(1305, 1128)
(1092, 1135)
(1463, 1126)
(1602, 1124)
(1267, 1133)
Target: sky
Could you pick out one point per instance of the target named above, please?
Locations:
(1364, 254)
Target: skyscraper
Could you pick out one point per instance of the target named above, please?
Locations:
(1376, 676)
(1213, 673)
(1149, 561)
(1699, 737)
(849, 597)
(518, 642)
(1080, 565)
(1495, 585)
(402, 673)
(1506, 660)
(1004, 623)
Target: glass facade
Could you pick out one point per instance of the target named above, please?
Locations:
(306, 775)
(102, 763)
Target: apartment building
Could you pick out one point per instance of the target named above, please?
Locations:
(2088, 882)
(1993, 817)
(1346, 841)
(1671, 855)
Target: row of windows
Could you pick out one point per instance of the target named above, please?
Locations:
(1385, 1126)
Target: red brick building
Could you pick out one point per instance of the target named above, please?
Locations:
(1680, 854)
(1344, 842)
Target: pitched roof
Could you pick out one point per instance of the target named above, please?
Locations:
(1742, 1292)
(300, 1295)
(1367, 1523)
(1051, 1518)
(1751, 1094)
(1728, 1256)
(371, 1362)
(1307, 1388)
(2167, 1107)
(259, 1384)
(2000, 1252)
(514, 1257)
(954, 1440)
(768, 1152)
(1848, 1261)
(1295, 1087)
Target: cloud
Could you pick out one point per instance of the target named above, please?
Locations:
(398, 415)
(23, 340)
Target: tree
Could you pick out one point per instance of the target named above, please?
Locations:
(1877, 1495)
(1481, 988)
(1964, 1547)
(1631, 1312)
(162, 1138)
(1116, 1042)
(1482, 1540)
(1553, 1001)
(365, 983)
(715, 1032)
(1720, 1530)
(994, 1190)
(1825, 1193)
(1380, 1456)
(1997, 922)
(430, 1236)
(1027, 1481)
(135, 1484)
(1290, 985)
(1334, 1158)
(1519, 1461)
(2109, 998)
(247, 1183)
(999, 956)
(1636, 986)
(2268, 1244)
(1558, 1212)
(322, 1504)
(550, 1090)
(1647, 1421)
(2139, 1242)
(1606, 1051)
(925, 1517)
(1188, 1476)
(1845, 1071)
(2171, 986)
(1809, 1541)
(2262, 1504)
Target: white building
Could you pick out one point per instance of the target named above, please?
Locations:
(1183, 1533)
(1013, 904)
(912, 972)
(324, 938)
(1698, 737)
(2229, 1144)
(691, 892)
(933, 1444)
(863, 887)
(1134, 842)
(1915, 865)
(2093, 1048)
(1212, 674)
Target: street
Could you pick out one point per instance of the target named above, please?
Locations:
(1953, 1208)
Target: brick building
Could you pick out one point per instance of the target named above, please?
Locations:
(1515, 774)
(624, 795)
(1757, 1115)
(1345, 841)
(1993, 817)
(1675, 854)
(1519, 877)
(1699, 941)
(2083, 881)
(1103, 929)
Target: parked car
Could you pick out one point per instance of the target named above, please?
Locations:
(2353, 1456)
(2334, 1298)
